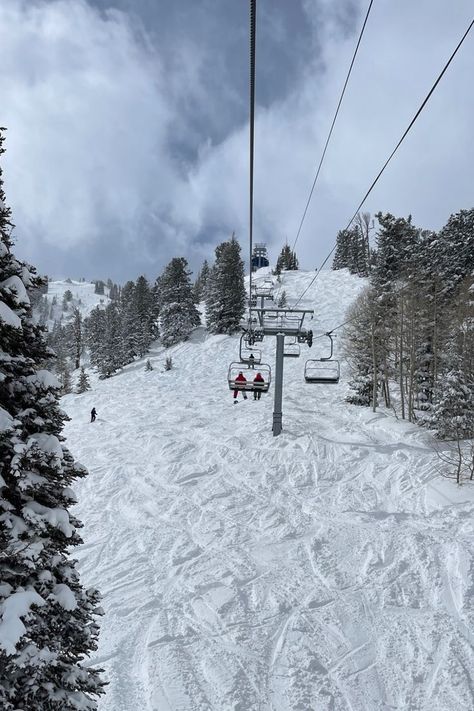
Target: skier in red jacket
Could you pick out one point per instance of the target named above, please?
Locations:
(259, 381)
(240, 379)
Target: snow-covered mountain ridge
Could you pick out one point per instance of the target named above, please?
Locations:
(327, 568)
(84, 299)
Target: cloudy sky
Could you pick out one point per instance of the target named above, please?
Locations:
(127, 121)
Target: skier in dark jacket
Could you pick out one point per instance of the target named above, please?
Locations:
(259, 382)
(93, 414)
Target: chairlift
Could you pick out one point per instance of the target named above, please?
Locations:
(249, 373)
(247, 353)
(323, 371)
(291, 348)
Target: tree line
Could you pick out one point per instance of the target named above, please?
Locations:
(49, 620)
(411, 334)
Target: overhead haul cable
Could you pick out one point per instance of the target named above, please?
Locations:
(332, 125)
(252, 130)
(376, 179)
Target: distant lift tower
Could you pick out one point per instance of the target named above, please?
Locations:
(259, 257)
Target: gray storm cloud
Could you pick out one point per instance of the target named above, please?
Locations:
(127, 139)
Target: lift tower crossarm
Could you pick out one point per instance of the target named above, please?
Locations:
(289, 322)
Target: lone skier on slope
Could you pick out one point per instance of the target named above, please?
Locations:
(240, 379)
(93, 414)
(259, 382)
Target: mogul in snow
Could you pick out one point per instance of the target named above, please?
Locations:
(93, 414)
(240, 379)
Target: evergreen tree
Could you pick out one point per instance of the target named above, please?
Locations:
(99, 287)
(225, 297)
(48, 624)
(287, 260)
(453, 409)
(282, 301)
(200, 285)
(65, 380)
(144, 308)
(76, 337)
(129, 322)
(95, 328)
(342, 254)
(178, 314)
(148, 365)
(83, 383)
(111, 357)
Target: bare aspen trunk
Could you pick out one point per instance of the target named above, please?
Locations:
(374, 367)
(400, 360)
(411, 386)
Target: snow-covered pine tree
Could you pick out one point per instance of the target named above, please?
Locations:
(94, 327)
(453, 409)
(76, 336)
(148, 365)
(457, 245)
(282, 300)
(129, 322)
(225, 293)
(111, 356)
(287, 260)
(361, 349)
(83, 382)
(65, 380)
(199, 288)
(48, 620)
(178, 314)
(144, 309)
(342, 254)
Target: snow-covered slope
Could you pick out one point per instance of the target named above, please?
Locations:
(329, 568)
(84, 298)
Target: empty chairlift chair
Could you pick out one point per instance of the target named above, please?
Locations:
(292, 348)
(323, 371)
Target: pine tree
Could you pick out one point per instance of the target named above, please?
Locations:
(83, 383)
(95, 328)
(148, 365)
(453, 409)
(65, 380)
(111, 357)
(144, 310)
(48, 622)
(287, 260)
(76, 337)
(282, 301)
(199, 288)
(342, 254)
(178, 314)
(225, 297)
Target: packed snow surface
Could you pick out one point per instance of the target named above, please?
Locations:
(329, 568)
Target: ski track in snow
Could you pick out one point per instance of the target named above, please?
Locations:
(329, 568)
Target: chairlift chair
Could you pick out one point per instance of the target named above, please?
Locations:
(291, 349)
(248, 354)
(249, 373)
(323, 371)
